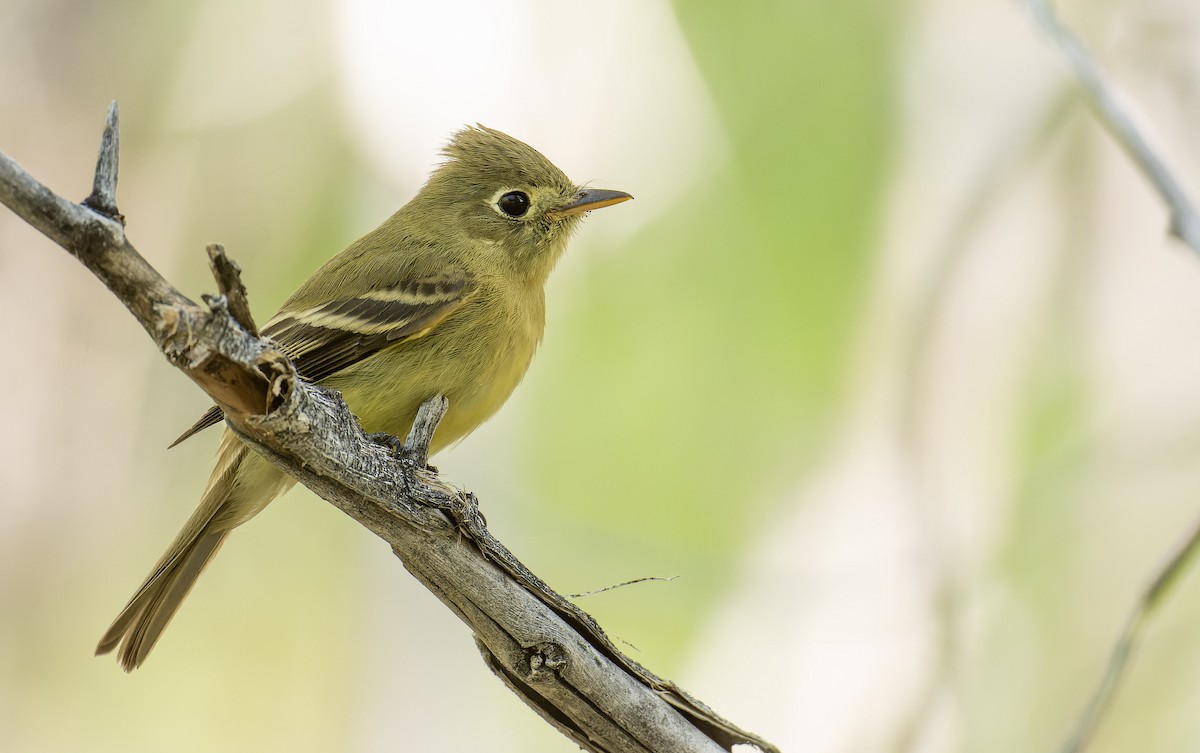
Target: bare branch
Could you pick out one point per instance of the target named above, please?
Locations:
(545, 649)
(1185, 223)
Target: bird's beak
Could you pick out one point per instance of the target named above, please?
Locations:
(587, 200)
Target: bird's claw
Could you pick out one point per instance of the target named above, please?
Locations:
(396, 445)
(393, 443)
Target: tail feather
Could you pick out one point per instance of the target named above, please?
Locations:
(241, 485)
(143, 620)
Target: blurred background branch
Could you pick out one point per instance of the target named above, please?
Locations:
(1185, 225)
(1156, 593)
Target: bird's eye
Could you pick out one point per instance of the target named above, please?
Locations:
(514, 203)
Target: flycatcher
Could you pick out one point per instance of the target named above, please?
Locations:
(445, 297)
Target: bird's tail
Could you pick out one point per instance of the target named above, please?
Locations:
(241, 485)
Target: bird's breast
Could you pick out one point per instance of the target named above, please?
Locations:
(475, 358)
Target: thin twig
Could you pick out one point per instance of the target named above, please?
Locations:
(613, 587)
(1123, 649)
(1185, 223)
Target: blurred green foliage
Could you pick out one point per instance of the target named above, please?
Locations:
(705, 363)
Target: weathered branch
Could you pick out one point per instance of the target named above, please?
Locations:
(545, 649)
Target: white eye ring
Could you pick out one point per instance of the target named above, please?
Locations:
(512, 204)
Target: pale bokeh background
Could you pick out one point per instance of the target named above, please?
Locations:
(890, 362)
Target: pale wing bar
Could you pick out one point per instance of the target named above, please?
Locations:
(323, 340)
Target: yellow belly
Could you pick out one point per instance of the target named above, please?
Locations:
(476, 358)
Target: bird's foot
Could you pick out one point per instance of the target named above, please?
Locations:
(400, 450)
(393, 443)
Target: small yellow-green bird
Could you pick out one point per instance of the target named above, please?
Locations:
(445, 297)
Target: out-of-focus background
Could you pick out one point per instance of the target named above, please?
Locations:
(891, 363)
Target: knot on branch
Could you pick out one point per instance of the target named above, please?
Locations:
(176, 333)
(242, 373)
(545, 661)
(277, 370)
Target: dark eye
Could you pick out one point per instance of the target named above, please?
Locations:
(514, 203)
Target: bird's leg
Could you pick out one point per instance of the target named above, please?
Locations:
(401, 450)
(429, 415)
(415, 448)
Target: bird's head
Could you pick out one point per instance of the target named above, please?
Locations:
(503, 194)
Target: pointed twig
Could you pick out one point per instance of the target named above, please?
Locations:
(103, 197)
(229, 283)
(1185, 223)
(93, 237)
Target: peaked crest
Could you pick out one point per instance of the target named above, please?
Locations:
(485, 155)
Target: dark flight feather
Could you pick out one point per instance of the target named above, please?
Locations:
(326, 339)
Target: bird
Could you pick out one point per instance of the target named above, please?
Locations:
(445, 297)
